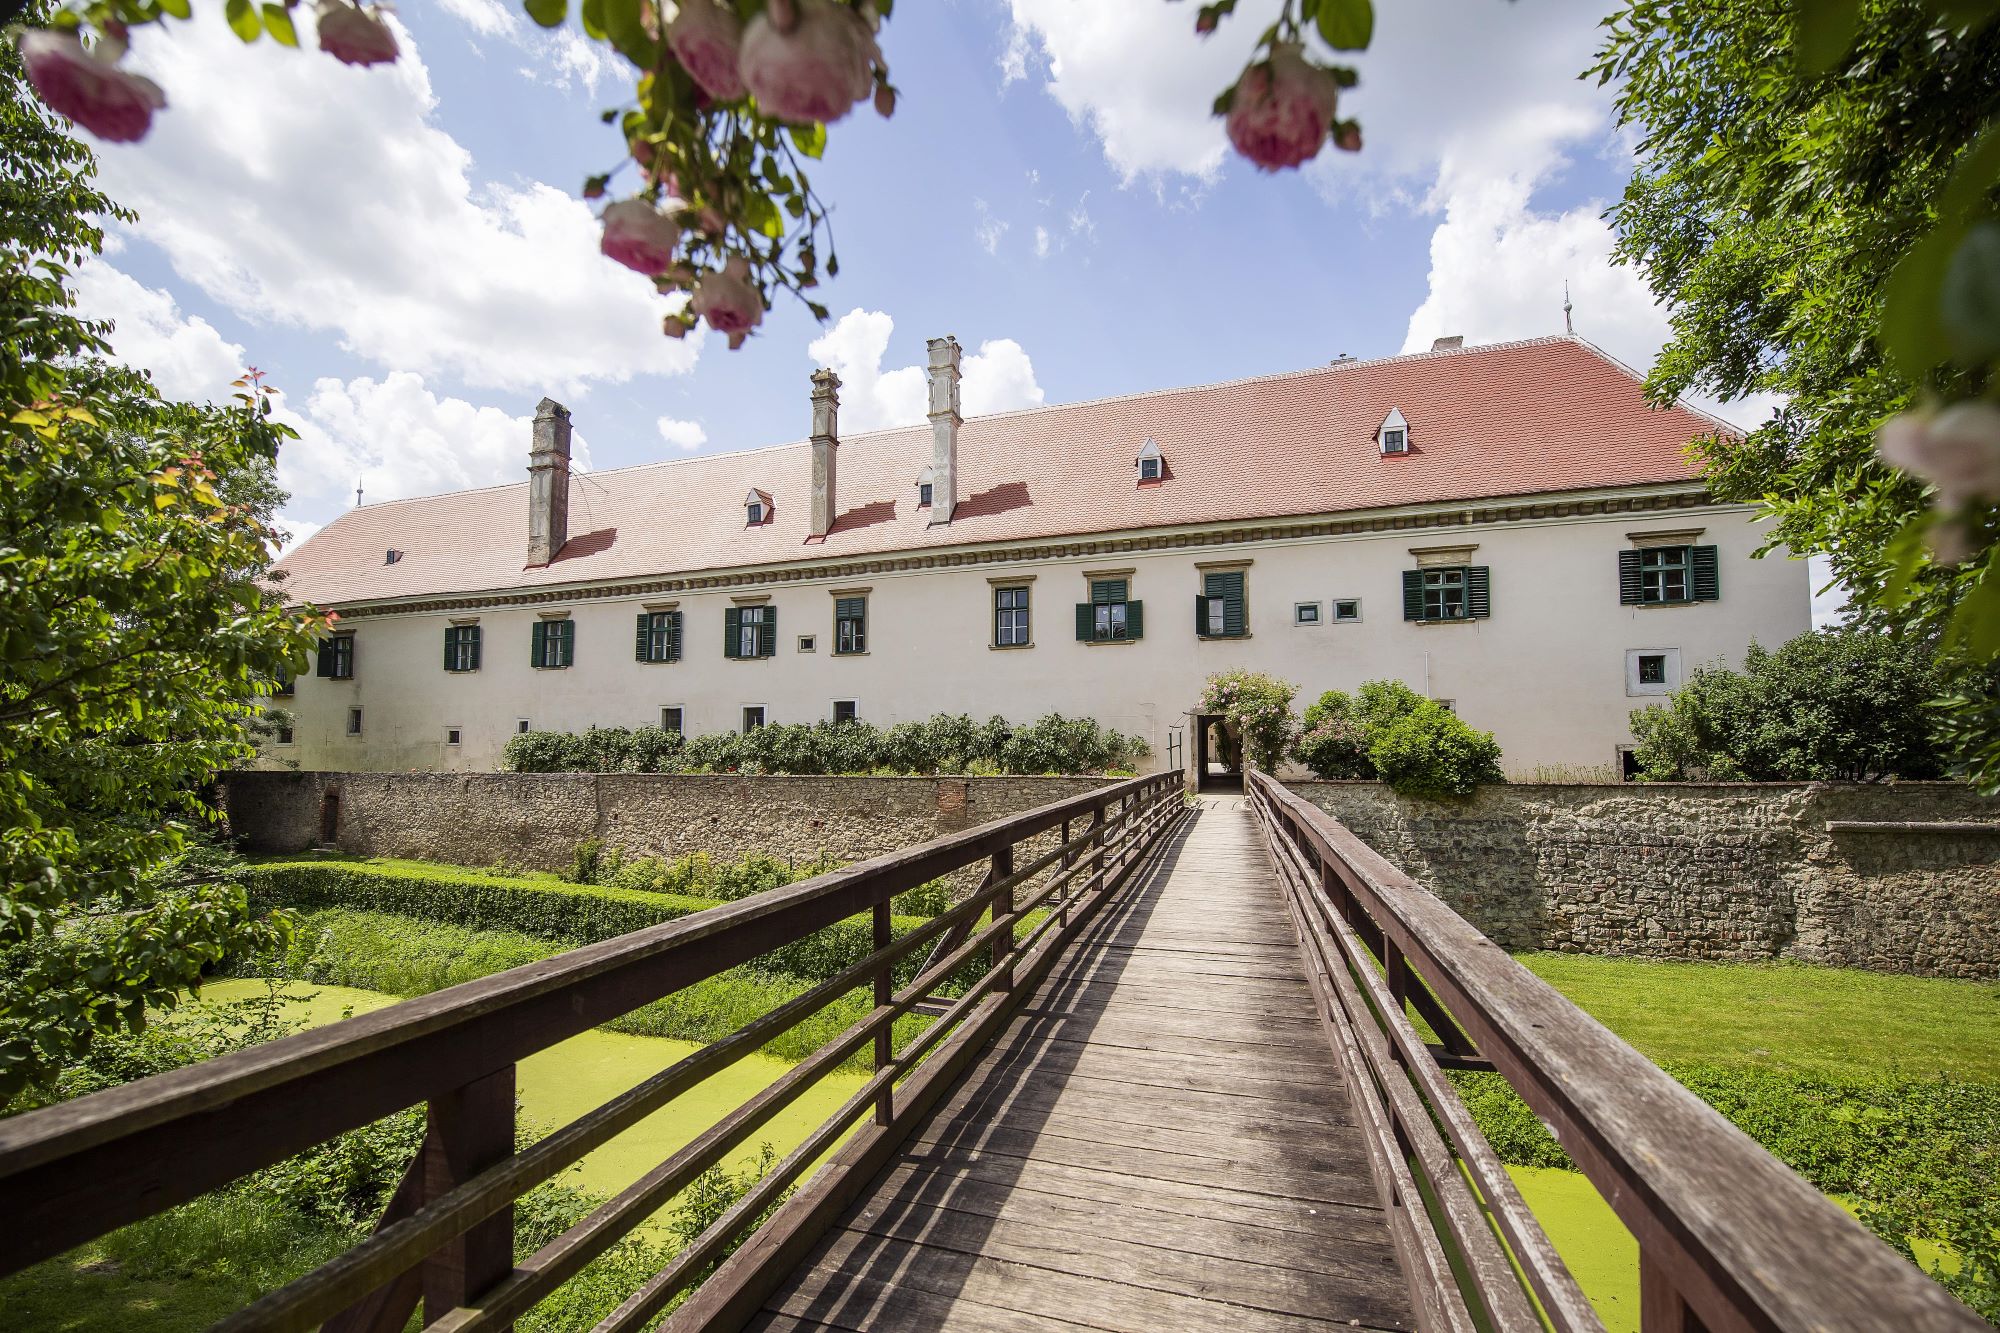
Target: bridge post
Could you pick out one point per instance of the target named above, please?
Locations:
(471, 1128)
(1003, 903)
(885, 1036)
(1662, 1308)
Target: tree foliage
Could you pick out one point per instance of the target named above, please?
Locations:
(1388, 731)
(1773, 209)
(1834, 705)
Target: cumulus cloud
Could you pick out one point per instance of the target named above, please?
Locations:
(297, 191)
(187, 358)
(682, 434)
(986, 228)
(999, 377)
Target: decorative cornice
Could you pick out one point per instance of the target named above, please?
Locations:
(1516, 509)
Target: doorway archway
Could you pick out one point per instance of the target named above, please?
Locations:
(1218, 754)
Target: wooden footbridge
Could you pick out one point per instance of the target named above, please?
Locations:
(1185, 1071)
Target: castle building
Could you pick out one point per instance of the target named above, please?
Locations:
(1510, 528)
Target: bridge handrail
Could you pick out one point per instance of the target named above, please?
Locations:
(1729, 1237)
(77, 1170)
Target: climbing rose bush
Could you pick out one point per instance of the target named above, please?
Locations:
(813, 70)
(88, 86)
(1283, 110)
(1260, 708)
(1958, 452)
(354, 36)
(728, 302)
(640, 236)
(707, 37)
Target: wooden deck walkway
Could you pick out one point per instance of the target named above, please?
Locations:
(1162, 1140)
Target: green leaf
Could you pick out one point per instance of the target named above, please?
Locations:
(808, 139)
(628, 33)
(760, 214)
(548, 13)
(1826, 30)
(591, 15)
(1912, 329)
(176, 9)
(243, 20)
(1347, 25)
(1975, 626)
(1972, 177)
(278, 22)
(1970, 305)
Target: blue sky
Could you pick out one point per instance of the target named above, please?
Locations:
(404, 251)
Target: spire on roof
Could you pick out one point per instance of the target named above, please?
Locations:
(1569, 325)
(357, 492)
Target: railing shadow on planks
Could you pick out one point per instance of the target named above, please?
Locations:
(1729, 1237)
(76, 1171)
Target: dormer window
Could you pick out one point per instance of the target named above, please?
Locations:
(1394, 433)
(1152, 464)
(391, 556)
(925, 488)
(756, 508)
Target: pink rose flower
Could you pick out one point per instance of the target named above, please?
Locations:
(1282, 109)
(815, 71)
(705, 36)
(88, 87)
(729, 302)
(354, 36)
(639, 236)
(1957, 451)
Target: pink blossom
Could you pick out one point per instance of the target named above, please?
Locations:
(817, 70)
(705, 37)
(639, 236)
(355, 36)
(729, 302)
(88, 86)
(1282, 109)
(1957, 450)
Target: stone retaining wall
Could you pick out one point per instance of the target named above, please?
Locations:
(537, 819)
(1726, 871)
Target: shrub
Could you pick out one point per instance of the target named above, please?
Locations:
(1259, 707)
(1841, 704)
(1333, 740)
(1432, 752)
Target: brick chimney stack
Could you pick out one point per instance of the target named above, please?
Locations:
(944, 428)
(548, 482)
(825, 448)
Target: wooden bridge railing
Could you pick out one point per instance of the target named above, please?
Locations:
(1729, 1237)
(76, 1171)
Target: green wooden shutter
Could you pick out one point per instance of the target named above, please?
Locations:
(474, 631)
(537, 642)
(1229, 587)
(1705, 574)
(642, 649)
(1086, 621)
(767, 633)
(568, 642)
(1630, 592)
(732, 630)
(1478, 594)
(1413, 594)
(450, 642)
(1135, 620)
(1201, 616)
(673, 636)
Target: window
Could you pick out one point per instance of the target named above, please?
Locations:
(1149, 469)
(354, 720)
(753, 717)
(451, 735)
(1109, 616)
(844, 710)
(923, 494)
(1652, 671)
(336, 657)
(461, 648)
(284, 733)
(552, 645)
(754, 511)
(1010, 617)
(1219, 612)
(671, 720)
(1449, 705)
(750, 631)
(391, 556)
(1453, 592)
(756, 508)
(850, 626)
(658, 637)
(1305, 613)
(523, 725)
(808, 643)
(282, 687)
(1394, 433)
(1668, 576)
(1346, 608)
(1152, 464)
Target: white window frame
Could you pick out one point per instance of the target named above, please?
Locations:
(523, 725)
(454, 735)
(743, 717)
(681, 711)
(808, 643)
(1638, 689)
(1301, 617)
(1333, 616)
(356, 720)
(1393, 435)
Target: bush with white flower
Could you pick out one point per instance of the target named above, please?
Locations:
(1259, 707)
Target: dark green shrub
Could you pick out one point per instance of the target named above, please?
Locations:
(583, 863)
(1432, 752)
(1333, 740)
(1833, 705)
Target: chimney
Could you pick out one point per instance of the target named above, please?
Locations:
(825, 445)
(944, 428)
(1451, 344)
(548, 482)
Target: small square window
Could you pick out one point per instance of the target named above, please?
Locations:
(354, 721)
(451, 735)
(1347, 608)
(1652, 668)
(523, 725)
(754, 512)
(808, 643)
(1149, 469)
(753, 718)
(1395, 441)
(284, 734)
(1652, 671)
(923, 493)
(845, 710)
(671, 720)
(1305, 613)
(1449, 705)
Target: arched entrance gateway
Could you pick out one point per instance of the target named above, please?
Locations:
(1217, 753)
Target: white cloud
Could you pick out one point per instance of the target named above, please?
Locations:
(488, 18)
(997, 378)
(292, 531)
(682, 434)
(187, 358)
(1041, 242)
(298, 191)
(987, 229)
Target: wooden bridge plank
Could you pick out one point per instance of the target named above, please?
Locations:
(1160, 1140)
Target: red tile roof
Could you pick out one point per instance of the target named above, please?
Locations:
(1545, 415)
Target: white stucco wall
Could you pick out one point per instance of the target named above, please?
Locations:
(1546, 673)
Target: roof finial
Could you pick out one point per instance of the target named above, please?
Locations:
(1569, 325)
(357, 492)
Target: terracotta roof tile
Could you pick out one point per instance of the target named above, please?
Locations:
(1550, 414)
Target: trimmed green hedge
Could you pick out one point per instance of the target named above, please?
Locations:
(546, 909)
